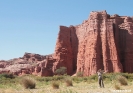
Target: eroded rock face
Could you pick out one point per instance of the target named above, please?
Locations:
(29, 64)
(66, 49)
(97, 49)
(102, 41)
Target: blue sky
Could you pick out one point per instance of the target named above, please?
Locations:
(33, 25)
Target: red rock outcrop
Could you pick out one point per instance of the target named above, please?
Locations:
(98, 50)
(66, 49)
(29, 64)
(102, 41)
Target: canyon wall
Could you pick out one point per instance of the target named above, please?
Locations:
(102, 41)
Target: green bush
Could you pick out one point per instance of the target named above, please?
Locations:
(61, 71)
(28, 82)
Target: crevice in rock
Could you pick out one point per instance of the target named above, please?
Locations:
(114, 32)
(74, 45)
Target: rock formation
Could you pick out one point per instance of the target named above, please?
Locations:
(102, 41)
(29, 64)
(66, 49)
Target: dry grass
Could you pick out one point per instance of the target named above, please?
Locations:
(55, 85)
(69, 82)
(82, 87)
(122, 80)
(28, 82)
(44, 85)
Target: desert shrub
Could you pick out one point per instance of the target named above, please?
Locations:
(122, 80)
(79, 74)
(117, 87)
(28, 82)
(61, 71)
(55, 85)
(68, 82)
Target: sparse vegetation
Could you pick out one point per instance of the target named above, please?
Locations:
(80, 84)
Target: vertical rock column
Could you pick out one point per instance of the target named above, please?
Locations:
(126, 42)
(93, 50)
(63, 51)
(90, 49)
(110, 56)
(74, 45)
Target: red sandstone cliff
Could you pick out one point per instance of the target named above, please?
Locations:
(66, 49)
(100, 42)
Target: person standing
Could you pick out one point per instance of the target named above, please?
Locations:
(100, 78)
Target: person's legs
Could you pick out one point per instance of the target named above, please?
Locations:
(99, 81)
(102, 83)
